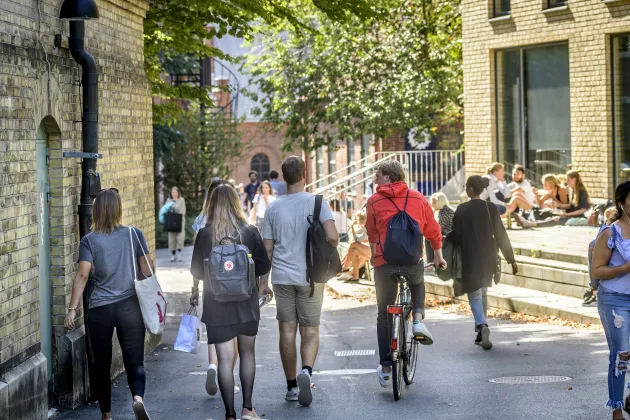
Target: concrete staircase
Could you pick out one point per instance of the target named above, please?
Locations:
(549, 283)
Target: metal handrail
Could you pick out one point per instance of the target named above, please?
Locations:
(350, 177)
(344, 169)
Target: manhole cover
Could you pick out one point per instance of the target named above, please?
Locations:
(530, 379)
(355, 353)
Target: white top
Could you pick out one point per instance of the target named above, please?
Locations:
(527, 188)
(261, 209)
(495, 184)
(341, 221)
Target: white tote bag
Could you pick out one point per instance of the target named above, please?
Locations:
(152, 301)
(189, 332)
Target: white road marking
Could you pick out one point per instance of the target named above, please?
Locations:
(344, 353)
(343, 372)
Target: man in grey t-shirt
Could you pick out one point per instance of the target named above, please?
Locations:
(284, 232)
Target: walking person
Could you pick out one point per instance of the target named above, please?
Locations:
(392, 197)
(611, 265)
(261, 202)
(176, 239)
(227, 321)
(479, 232)
(107, 253)
(250, 190)
(299, 304)
(279, 187)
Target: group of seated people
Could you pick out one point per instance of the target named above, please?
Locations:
(564, 199)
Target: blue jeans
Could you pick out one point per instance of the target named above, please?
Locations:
(614, 311)
(478, 301)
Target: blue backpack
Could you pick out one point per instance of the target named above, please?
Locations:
(403, 243)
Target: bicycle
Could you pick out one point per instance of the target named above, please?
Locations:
(404, 346)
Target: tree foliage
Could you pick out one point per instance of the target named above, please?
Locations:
(193, 150)
(360, 76)
(175, 28)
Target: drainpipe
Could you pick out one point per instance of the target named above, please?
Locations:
(90, 180)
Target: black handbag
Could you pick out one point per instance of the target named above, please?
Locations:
(173, 222)
(497, 265)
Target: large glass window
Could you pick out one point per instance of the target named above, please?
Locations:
(556, 3)
(621, 105)
(261, 164)
(501, 8)
(533, 109)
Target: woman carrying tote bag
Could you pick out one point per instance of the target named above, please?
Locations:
(107, 253)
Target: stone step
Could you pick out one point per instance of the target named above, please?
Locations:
(554, 253)
(519, 299)
(547, 276)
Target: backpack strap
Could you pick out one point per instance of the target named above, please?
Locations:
(309, 262)
(406, 200)
(318, 206)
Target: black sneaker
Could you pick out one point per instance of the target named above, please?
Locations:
(589, 297)
(478, 339)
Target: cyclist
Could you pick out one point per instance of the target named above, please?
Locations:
(390, 196)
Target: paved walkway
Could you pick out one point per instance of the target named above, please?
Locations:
(562, 239)
(453, 379)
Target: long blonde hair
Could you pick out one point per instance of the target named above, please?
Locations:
(579, 186)
(206, 202)
(225, 215)
(107, 211)
(441, 200)
(553, 179)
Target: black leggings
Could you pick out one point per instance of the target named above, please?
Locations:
(226, 355)
(126, 317)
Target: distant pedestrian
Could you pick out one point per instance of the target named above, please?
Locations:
(279, 187)
(251, 189)
(479, 232)
(298, 304)
(107, 255)
(200, 221)
(611, 265)
(176, 239)
(225, 321)
(261, 201)
(393, 197)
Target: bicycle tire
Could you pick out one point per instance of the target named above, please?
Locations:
(409, 366)
(397, 365)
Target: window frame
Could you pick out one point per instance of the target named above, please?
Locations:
(497, 14)
(556, 4)
(262, 161)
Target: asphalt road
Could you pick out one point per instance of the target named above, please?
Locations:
(452, 381)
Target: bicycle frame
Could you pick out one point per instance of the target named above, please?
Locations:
(401, 308)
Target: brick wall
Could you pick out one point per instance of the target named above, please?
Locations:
(587, 26)
(38, 86)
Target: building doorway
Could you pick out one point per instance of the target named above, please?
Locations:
(43, 246)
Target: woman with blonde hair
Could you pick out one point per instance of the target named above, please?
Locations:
(176, 239)
(226, 321)
(110, 252)
(359, 251)
(497, 191)
(444, 215)
(555, 194)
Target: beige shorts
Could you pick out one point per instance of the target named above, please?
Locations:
(296, 305)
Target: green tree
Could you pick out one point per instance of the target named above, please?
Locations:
(360, 76)
(178, 28)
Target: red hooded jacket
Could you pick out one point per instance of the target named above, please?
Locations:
(380, 210)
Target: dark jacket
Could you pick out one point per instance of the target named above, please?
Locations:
(472, 231)
(219, 314)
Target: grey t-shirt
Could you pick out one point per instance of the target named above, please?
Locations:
(286, 223)
(111, 259)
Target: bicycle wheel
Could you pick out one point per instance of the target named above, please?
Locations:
(398, 365)
(409, 367)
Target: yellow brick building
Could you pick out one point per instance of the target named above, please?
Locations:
(40, 113)
(547, 85)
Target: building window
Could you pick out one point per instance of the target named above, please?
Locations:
(501, 8)
(621, 105)
(551, 4)
(260, 164)
(533, 109)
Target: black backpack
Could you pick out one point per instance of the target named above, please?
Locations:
(403, 244)
(322, 259)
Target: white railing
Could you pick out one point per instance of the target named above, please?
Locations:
(426, 171)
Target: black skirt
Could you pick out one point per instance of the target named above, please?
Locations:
(225, 333)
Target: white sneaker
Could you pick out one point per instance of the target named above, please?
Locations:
(212, 387)
(173, 258)
(305, 397)
(179, 256)
(385, 379)
(421, 333)
(237, 389)
(292, 395)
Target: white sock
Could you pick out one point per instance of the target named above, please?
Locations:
(212, 366)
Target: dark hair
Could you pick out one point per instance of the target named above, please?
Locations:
(520, 168)
(621, 193)
(293, 169)
(252, 172)
(273, 174)
(477, 184)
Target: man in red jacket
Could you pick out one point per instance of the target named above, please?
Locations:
(390, 178)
